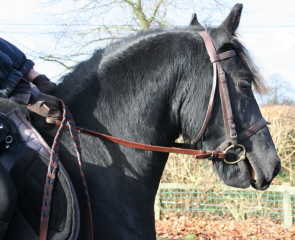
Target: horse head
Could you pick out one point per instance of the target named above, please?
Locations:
(262, 163)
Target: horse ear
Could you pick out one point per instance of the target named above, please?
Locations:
(194, 21)
(232, 21)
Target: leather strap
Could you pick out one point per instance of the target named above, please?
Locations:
(227, 54)
(223, 89)
(253, 129)
(199, 154)
(67, 122)
(217, 69)
(219, 74)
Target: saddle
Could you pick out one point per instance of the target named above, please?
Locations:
(25, 155)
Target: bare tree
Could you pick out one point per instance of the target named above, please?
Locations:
(279, 91)
(90, 24)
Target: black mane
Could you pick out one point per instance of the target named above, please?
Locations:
(145, 42)
(142, 50)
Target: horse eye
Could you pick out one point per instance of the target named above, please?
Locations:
(244, 86)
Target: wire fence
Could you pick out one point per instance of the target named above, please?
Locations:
(275, 204)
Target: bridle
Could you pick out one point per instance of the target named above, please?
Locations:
(230, 128)
(232, 141)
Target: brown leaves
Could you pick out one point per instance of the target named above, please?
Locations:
(202, 229)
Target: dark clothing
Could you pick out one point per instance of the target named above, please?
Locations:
(13, 67)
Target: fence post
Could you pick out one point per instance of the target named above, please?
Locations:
(287, 208)
(157, 206)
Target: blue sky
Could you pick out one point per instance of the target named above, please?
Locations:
(267, 29)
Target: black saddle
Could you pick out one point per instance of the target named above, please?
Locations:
(25, 155)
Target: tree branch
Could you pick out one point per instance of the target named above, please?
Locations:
(54, 59)
(152, 18)
(138, 12)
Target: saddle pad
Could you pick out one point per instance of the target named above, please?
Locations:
(29, 173)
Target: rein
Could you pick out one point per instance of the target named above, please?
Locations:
(67, 122)
(231, 142)
(199, 154)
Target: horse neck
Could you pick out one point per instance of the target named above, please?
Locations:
(136, 109)
(136, 103)
(146, 107)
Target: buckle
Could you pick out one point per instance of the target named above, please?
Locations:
(212, 155)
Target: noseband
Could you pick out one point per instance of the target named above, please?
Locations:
(219, 78)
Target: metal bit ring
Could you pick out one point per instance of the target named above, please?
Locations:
(243, 157)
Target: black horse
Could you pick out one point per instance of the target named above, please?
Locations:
(150, 88)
